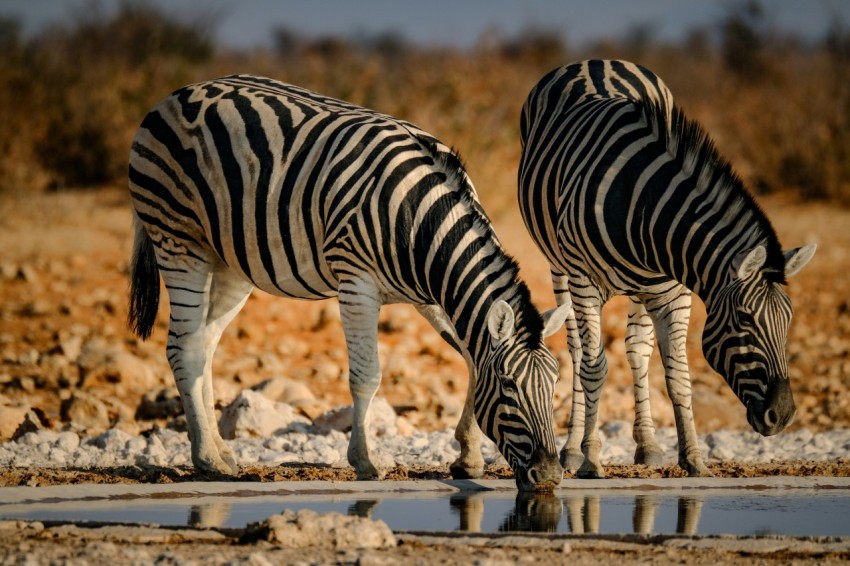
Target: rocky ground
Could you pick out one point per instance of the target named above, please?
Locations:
(70, 372)
(65, 350)
(37, 543)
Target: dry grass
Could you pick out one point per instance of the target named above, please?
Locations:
(71, 99)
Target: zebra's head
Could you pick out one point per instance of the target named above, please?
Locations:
(745, 334)
(514, 395)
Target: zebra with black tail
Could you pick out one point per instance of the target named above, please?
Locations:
(626, 196)
(246, 182)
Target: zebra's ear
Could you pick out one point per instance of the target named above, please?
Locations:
(500, 322)
(554, 319)
(796, 259)
(748, 262)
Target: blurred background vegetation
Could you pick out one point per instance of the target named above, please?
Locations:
(72, 96)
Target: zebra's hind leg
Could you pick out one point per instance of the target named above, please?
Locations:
(228, 293)
(470, 463)
(640, 340)
(571, 456)
(188, 292)
(359, 306)
(671, 313)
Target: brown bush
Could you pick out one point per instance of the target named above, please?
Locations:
(71, 99)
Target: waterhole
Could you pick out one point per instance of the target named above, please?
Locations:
(771, 506)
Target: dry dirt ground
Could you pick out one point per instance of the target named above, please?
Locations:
(63, 283)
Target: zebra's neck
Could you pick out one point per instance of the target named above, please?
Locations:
(701, 218)
(706, 259)
(460, 263)
(466, 271)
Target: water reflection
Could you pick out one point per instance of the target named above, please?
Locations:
(740, 512)
(583, 514)
(541, 513)
(363, 508)
(470, 509)
(209, 515)
(687, 520)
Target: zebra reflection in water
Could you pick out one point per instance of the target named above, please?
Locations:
(531, 512)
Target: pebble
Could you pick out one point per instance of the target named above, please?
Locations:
(163, 447)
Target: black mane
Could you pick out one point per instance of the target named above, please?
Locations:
(688, 140)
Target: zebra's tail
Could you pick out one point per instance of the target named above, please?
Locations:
(144, 285)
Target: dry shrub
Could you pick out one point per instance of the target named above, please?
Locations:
(71, 99)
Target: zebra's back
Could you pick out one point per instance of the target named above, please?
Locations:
(585, 128)
(261, 175)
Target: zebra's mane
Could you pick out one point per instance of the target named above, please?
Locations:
(451, 164)
(687, 140)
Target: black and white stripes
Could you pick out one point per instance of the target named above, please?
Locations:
(625, 195)
(246, 182)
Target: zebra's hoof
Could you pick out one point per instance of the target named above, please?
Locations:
(233, 465)
(698, 470)
(466, 472)
(652, 456)
(216, 468)
(590, 471)
(571, 460)
(230, 461)
(368, 474)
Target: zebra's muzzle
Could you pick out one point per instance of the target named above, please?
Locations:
(544, 473)
(775, 413)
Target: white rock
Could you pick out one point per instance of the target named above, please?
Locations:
(284, 390)
(67, 441)
(306, 528)
(253, 414)
(113, 439)
(617, 429)
(381, 419)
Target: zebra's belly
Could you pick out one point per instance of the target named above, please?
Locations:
(307, 285)
(610, 277)
(298, 277)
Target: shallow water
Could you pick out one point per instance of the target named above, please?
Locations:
(743, 511)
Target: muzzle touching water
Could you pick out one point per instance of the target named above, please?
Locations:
(776, 412)
(543, 474)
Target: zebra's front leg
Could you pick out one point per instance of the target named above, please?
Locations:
(571, 455)
(594, 371)
(470, 463)
(640, 340)
(186, 354)
(671, 318)
(359, 307)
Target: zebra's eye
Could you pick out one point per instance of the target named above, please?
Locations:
(508, 384)
(746, 321)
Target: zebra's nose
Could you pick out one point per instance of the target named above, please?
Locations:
(776, 413)
(544, 473)
(770, 418)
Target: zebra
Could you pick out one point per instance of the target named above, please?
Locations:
(244, 182)
(624, 195)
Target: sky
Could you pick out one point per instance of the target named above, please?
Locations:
(458, 23)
